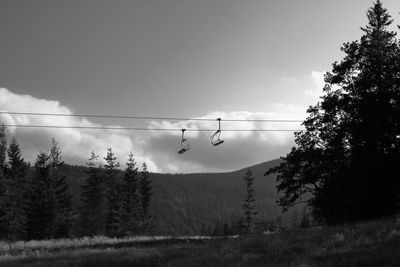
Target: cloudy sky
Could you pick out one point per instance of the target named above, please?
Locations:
(234, 59)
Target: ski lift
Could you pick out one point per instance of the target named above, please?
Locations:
(184, 143)
(215, 138)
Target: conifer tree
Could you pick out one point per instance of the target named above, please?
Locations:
(61, 195)
(3, 153)
(40, 209)
(145, 192)
(249, 205)
(114, 208)
(130, 197)
(346, 160)
(16, 191)
(3, 149)
(92, 210)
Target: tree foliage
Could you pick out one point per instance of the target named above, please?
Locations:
(249, 207)
(36, 203)
(130, 198)
(345, 162)
(146, 190)
(112, 193)
(61, 195)
(40, 209)
(15, 194)
(92, 211)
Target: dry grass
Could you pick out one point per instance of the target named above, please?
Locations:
(365, 244)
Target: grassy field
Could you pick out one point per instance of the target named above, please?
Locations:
(364, 244)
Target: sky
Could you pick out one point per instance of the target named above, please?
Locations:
(234, 59)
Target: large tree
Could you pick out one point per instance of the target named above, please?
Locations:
(92, 210)
(345, 162)
(3, 149)
(61, 195)
(130, 198)
(145, 192)
(40, 209)
(16, 191)
(249, 208)
(3, 153)
(113, 209)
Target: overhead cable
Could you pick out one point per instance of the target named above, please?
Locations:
(144, 117)
(145, 129)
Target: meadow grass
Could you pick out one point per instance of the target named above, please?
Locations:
(374, 243)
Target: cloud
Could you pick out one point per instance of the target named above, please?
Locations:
(318, 83)
(157, 148)
(76, 144)
(240, 149)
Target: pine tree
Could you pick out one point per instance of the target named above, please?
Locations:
(40, 209)
(130, 198)
(92, 210)
(114, 207)
(145, 192)
(3, 153)
(249, 206)
(16, 192)
(61, 195)
(3, 149)
(346, 160)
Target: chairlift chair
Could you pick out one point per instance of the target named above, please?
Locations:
(215, 138)
(184, 143)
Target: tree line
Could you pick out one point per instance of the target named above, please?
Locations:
(35, 200)
(346, 163)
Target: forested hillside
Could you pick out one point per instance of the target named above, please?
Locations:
(186, 203)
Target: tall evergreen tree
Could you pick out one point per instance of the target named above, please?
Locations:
(92, 210)
(3, 153)
(16, 191)
(145, 193)
(346, 160)
(3, 149)
(61, 195)
(130, 198)
(113, 220)
(40, 209)
(249, 208)
(145, 190)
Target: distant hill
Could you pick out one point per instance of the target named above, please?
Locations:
(183, 203)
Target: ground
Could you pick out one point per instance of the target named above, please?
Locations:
(374, 243)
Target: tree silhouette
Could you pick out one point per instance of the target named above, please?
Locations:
(3, 153)
(345, 162)
(61, 195)
(249, 205)
(130, 197)
(145, 192)
(113, 200)
(92, 210)
(15, 194)
(3, 149)
(40, 210)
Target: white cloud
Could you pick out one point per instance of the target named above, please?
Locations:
(76, 144)
(318, 83)
(157, 148)
(241, 148)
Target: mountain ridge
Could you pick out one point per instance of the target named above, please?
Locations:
(186, 203)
